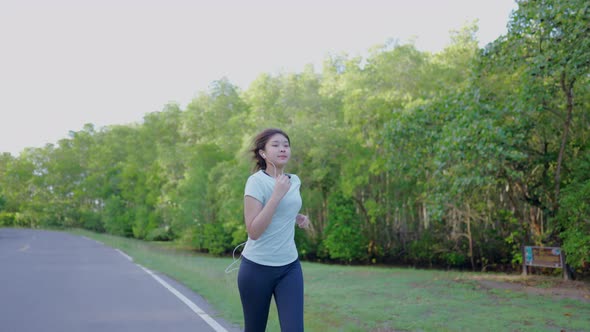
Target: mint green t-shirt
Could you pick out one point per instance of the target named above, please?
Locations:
(276, 246)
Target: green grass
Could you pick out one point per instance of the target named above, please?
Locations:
(345, 298)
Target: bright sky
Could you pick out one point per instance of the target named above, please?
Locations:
(64, 63)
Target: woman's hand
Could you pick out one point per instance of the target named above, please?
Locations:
(302, 221)
(282, 185)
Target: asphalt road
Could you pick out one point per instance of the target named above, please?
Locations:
(54, 281)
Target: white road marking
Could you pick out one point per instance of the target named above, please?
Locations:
(207, 318)
(87, 238)
(125, 255)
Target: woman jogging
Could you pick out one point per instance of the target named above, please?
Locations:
(270, 261)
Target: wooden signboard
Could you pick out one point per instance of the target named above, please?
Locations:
(552, 257)
(543, 256)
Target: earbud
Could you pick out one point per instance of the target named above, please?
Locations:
(263, 155)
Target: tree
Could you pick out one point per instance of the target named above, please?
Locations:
(552, 38)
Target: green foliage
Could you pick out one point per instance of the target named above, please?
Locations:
(215, 238)
(116, 218)
(91, 220)
(160, 234)
(423, 251)
(453, 159)
(345, 240)
(454, 259)
(7, 218)
(574, 215)
(547, 51)
(516, 236)
(145, 221)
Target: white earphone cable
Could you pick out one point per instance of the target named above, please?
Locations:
(275, 168)
(230, 268)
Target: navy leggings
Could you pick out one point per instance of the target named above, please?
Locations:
(258, 283)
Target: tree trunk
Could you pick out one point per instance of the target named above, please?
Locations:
(470, 238)
(567, 88)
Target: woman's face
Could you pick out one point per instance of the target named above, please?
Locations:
(278, 150)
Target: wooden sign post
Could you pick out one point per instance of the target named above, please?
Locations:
(552, 257)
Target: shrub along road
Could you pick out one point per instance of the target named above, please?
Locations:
(53, 281)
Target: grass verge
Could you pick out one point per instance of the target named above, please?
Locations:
(345, 298)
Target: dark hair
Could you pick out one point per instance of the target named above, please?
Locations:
(260, 142)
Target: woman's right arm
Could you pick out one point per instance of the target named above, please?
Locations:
(258, 217)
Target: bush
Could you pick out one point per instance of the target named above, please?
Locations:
(216, 240)
(160, 234)
(116, 218)
(454, 259)
(91, 221)
(6, 218)
(344, 238)
(421, 251)
(574, 216)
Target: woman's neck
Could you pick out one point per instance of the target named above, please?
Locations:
(273, 171)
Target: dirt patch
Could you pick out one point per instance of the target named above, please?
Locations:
(540, 285)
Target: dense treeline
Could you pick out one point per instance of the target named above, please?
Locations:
(451, 159)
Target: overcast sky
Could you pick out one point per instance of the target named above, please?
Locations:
(64, 63)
